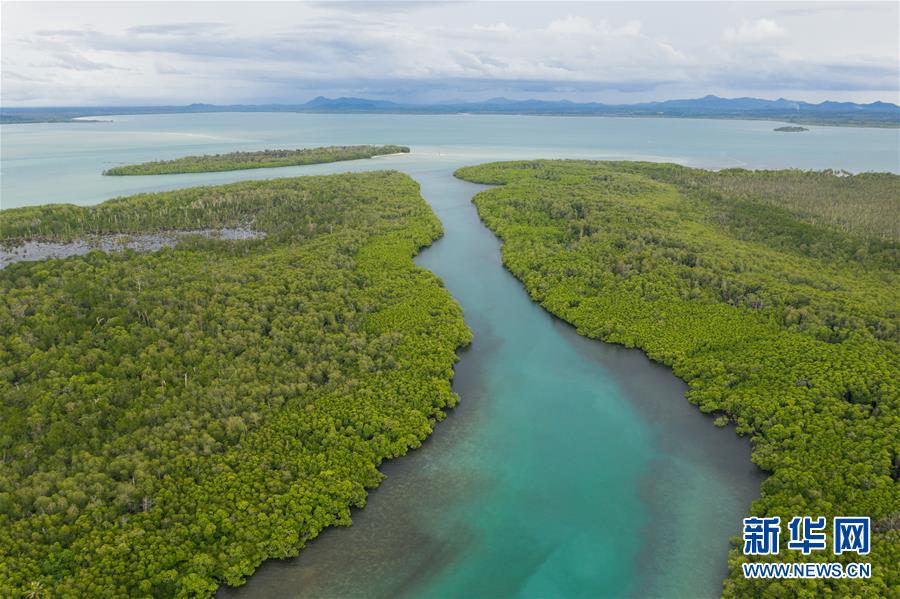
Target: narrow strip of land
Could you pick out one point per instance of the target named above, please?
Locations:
(235, 161)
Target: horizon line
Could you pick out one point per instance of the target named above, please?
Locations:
(441, 102)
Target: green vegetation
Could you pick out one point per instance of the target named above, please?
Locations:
(236, 161)
(790, 129)
(748, 285)
(864, 205)
(169, 420)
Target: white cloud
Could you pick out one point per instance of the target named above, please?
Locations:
(570, 24)
(498, 27)
(228, 52)
(758, 30)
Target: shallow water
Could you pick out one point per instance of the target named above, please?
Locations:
(62, 162)
(566, 470)
(570, 467)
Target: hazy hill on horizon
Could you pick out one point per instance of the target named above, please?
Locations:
(875, 114)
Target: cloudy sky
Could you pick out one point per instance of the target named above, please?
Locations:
(74, 53)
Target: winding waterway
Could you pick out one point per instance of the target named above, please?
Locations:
(570, 467)
(567, 469)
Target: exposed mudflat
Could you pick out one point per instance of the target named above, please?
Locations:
(146, 242)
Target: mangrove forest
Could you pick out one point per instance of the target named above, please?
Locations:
(235, 161)
(171, 419)
(773, 294)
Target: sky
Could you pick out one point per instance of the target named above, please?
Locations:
(152, 53)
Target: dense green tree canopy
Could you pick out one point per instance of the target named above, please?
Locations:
(235, 161)
(773, 294)
(171, 419)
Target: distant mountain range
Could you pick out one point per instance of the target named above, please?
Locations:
(876, 114)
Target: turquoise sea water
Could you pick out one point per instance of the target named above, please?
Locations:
(570, 467)
(62, 162)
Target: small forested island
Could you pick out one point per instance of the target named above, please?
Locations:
(234, 161)
(773, 294)
(790, 129)
(171, 419)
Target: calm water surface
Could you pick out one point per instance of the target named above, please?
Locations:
(62, 162)
(570, 467)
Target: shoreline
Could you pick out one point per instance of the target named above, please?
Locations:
(747, 481)
(805, 122)
(231, 161)
(416, 535)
